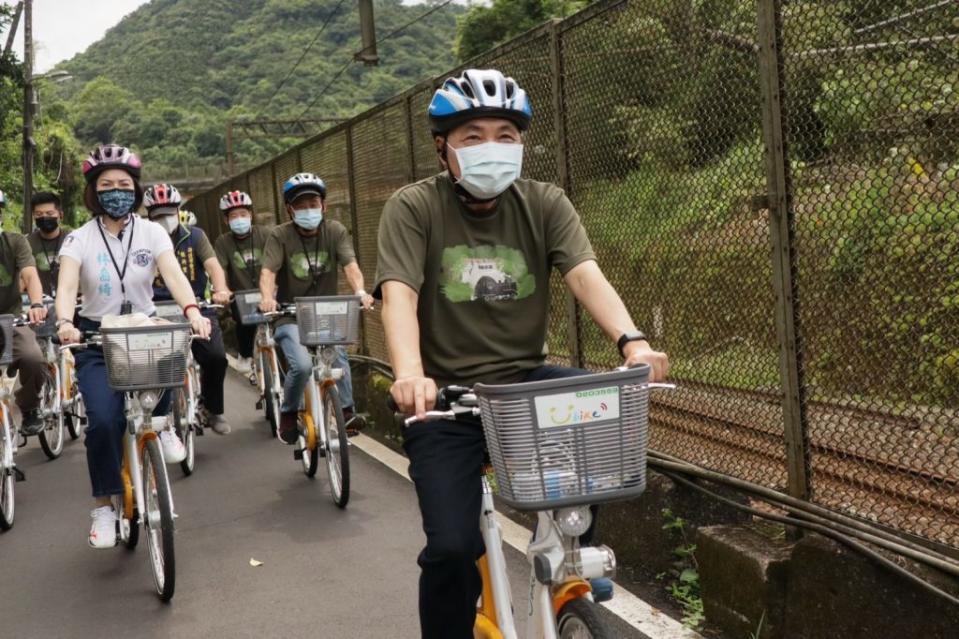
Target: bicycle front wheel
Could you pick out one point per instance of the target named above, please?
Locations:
(7, 482)
(337, 448)
(579, 619)
(51, 437)
(158, 520)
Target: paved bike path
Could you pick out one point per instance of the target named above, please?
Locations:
(325, 573)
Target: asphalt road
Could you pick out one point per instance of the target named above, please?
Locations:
(325, 573)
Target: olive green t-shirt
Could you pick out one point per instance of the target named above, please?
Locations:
(483, 280)
(46, 254)
(307, 266)
(15, 255)
(241, 259)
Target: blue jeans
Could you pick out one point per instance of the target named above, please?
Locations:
(300, 364)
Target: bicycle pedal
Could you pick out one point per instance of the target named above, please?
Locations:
(298, 454)
(198, 431)
(322, 452)
(19, 474)
(259, 404)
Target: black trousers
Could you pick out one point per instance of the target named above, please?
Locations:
(446, 460)
(244, 334)
(211, 356)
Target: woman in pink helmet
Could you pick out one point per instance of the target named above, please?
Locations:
(112, 261)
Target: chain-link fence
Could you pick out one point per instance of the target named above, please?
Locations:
(773, 188)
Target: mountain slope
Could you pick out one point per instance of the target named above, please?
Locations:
(169, 74)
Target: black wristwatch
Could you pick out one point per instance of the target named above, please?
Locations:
(36, 305)
(625, 338)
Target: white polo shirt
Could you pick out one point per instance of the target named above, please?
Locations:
(99, 280)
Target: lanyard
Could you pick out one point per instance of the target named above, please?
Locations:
(312, 264)
(126, 258)
(56, 250)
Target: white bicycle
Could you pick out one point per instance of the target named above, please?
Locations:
(557, 447)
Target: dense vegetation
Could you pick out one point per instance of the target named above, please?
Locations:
(167, 77)
(57, 148)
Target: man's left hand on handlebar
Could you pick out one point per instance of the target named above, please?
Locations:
(37, 314)
(641, 353)
(366, 300)
(221, 297)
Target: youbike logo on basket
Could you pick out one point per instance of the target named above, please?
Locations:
(567, 409)
(332, 308)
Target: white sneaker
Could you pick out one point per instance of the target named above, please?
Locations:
(103, 532)
(244, 365)
(173, 449)
(218, 423)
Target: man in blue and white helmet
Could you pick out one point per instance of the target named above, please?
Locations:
(301, 259)
(463, 268)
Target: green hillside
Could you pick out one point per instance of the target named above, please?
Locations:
(167, 77)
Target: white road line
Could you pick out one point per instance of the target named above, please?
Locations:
(649, 620)
(652, 622)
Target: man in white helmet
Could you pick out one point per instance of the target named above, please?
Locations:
(463, 268)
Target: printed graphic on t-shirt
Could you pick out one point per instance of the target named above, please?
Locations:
(247, 259)
(489, 273)
(300, 265)
(104, 288)
(141, 257)
(43, 264)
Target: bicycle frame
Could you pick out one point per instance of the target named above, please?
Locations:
(135, 438)
(322, 377)
(10, 438)
(266, 345)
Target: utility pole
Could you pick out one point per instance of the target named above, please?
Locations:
(367, 55)
(229, 146)
(28, 143)
(13, 28)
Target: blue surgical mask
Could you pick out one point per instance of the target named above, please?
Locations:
(117, 203)
(489, 169)
(308, 219)
(241, 225)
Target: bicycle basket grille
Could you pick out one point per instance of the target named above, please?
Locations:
(169, 311)
(6, 334)
(568, 442)
(150, 357)
(328, 320)
(248, 306)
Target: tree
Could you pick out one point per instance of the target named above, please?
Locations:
(483, 27)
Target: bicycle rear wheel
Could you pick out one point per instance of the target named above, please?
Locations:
(7, 483)
(337, 448)
(158, 520)
(183, 430)
(51, 437)
(579, 619)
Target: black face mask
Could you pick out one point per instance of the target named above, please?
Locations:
(47, 224)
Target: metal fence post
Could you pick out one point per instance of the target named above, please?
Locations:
(782, 237)
(354, 220)
(410, 139)
(562, 175)
(277, 216)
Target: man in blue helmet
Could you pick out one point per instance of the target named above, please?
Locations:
(463, 268)
(301, 259)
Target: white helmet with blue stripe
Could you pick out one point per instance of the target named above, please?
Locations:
(478, 93)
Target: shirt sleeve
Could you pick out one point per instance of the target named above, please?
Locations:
(204, 250)
(345, 255)
(273, 251)
(401, 245)
(21, 249)
(157, 239)
(566, 242)
(222, 251)
(73, 246)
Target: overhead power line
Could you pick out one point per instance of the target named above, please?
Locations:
(349, 62)
(329, 19)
